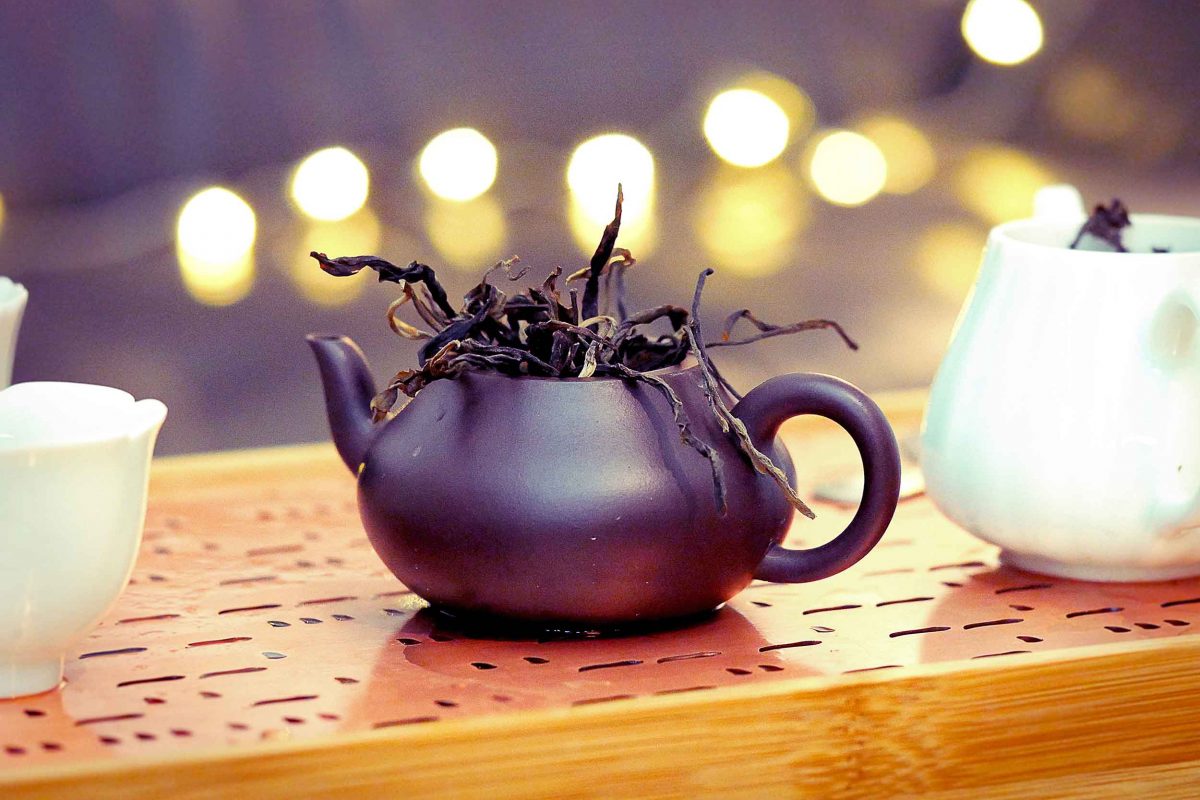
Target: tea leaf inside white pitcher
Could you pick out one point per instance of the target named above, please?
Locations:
(1106, 225)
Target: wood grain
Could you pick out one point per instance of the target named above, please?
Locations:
(1102, 721)
(1086, 722)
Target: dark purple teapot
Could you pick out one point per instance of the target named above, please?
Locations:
(555, 500)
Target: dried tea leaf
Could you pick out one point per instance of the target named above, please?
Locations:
(413, 273)
(534, 332)
(400, 326)
(1106, 224)
(760, 460)
(604, 251)
(766, 330)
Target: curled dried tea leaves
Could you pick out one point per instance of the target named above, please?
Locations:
(712, 390)
(414, 273)
(507, 267)
(539, 332)
(400, 326)
(766, 330)
(617, 268)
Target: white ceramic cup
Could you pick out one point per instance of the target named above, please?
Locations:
(1064, 422)
(74, 468)
(12, 306)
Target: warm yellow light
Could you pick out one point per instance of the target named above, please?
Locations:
(1162, 126)
(947, 258)
(459, 164)
(638, 234)
(354, 236)
(1091, 101)
(599, 164)
(1, 213)
(749, 222)
(216, 225)
(214, 242)
(468, 235)
(745, 127)
(330, 184)
(1060, 201)
(998, 183)
(1003, 32)
(787, 95)
(911, 161)
(217, 283)
(595, 169)
(847, 168)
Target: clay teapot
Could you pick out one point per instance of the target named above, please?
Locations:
(552, 500)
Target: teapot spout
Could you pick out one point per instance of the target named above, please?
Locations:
(349, 389)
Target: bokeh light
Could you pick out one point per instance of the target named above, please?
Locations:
(1060, 201)
(217, 283)
(745, 127)
(330, 184)
(1090, 101)
(469, 235)
(356, 235)
(911, 161)
(947, 258)
(1161, 129)
(750, 222)
(595, 169)
(846, 168)
(216, 225)
(215, 246)
(787, 95)
(459, 164)
(1005, 32)
(998, 183)
(639, 234)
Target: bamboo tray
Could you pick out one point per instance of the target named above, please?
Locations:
(262, 649)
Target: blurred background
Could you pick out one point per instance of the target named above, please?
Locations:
(165, 167)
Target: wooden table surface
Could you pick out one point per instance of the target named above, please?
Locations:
(262, 649)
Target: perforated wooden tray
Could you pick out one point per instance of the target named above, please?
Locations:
(262, 645)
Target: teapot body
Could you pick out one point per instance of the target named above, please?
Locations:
(565, 500)
(577, 501)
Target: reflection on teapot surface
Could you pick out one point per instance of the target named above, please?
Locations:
(584, 670)
(425, 671)
(573, 501)
(512, 629)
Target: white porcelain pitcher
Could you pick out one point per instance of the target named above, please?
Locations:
(1064, 422)
(74, 467)
(12, 306)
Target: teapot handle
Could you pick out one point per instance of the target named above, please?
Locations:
(767, 406)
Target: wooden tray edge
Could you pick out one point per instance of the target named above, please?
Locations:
(933, 728)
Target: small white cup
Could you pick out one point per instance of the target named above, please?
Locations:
(12, 306)
(1064, 422)
(74, 469)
